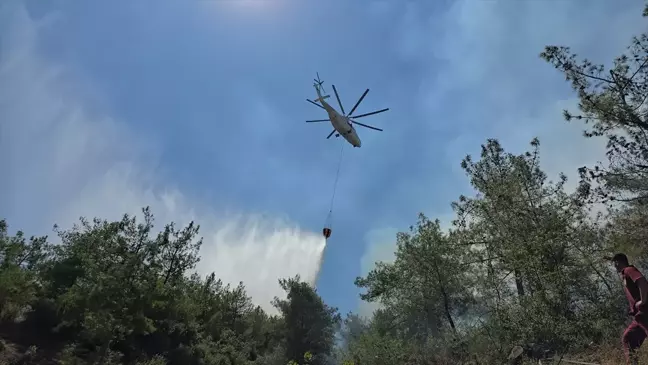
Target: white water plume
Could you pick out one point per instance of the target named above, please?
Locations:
(264, 251)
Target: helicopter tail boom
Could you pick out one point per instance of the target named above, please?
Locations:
(319, 89)
(322, 98)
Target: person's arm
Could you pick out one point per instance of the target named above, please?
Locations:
(642, 284)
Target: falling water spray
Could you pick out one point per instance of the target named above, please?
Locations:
(260, 251)
(319, 265)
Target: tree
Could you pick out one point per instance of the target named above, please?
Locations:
(613, 104)
(626, 232)
(425, 287)
(352, 328)
(114, 292)
(20, 261)
(372, 347)
(528, 234)
(126, 278)
(309, 324)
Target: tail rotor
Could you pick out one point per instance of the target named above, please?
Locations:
(318, 83)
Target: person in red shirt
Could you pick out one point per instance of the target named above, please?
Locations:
(636, 290)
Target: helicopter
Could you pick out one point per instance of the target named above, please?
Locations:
(342, 122)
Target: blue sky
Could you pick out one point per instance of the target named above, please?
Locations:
(197, 108)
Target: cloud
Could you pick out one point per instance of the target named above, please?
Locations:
(485, 79)
(65, 157)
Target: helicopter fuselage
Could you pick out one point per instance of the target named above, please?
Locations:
(341, 123)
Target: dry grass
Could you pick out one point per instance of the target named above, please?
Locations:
(603, 355)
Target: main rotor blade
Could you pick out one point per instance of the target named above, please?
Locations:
(338, 99)
(317, 121)
(372, 113)
(359, 101)
(367, 126)
(329, 136)
(314, 103)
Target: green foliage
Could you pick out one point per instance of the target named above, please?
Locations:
(113, 292)
(19, 261)
(308, 357)
(612, 104)
(520, 265)
(309, 324)
(424, 288)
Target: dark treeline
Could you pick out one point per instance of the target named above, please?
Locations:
(522, 265)
(111, 292)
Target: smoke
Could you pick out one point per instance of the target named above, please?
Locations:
(62, 159)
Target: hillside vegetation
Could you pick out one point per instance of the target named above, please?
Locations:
(523, 265)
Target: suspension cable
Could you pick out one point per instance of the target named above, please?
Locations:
(337, 177)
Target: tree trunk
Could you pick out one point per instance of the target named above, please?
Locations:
(519, 284)
(103, 352)
(446, 300)
(446, 306)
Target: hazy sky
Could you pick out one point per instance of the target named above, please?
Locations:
(197, 108)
